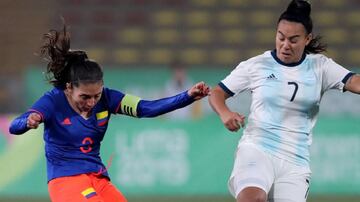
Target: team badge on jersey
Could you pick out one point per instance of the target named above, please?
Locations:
(102, 118)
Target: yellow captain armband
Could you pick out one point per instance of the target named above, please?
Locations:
(129, 105)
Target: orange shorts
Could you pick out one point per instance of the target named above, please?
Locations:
(84, 188)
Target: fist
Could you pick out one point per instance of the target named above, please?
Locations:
(33, 120)
(233, 121)
(199, 90)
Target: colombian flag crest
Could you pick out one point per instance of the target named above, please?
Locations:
(102, 118)
(89, 192)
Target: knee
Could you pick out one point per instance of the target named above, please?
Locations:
(253, 198)
(252, 194)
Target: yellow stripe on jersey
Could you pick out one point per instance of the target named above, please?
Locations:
(129, 105)
(88, 191)
(102, 115)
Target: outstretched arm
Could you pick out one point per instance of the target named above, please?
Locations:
(353, 84)
(134, 106)
(199, 91)
(232, 120)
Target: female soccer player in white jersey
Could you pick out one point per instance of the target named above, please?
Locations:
(286, 85)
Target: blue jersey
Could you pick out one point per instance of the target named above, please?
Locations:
(72, 143)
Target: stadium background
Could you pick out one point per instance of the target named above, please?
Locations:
(167, 159)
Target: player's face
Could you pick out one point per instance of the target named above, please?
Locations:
(85, 96)
(291, 39)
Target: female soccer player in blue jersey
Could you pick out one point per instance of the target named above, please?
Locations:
(76, 114)
(286, 85)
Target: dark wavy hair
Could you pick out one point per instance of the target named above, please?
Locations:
(299, 11)
(66, 65)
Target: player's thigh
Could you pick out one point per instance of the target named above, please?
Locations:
(252, 168)
(293, 187)
(109, 192)
(73, 189)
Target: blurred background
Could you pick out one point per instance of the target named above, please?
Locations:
(155, 48)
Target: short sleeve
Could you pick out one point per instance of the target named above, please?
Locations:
(237, 81)
(334, 75)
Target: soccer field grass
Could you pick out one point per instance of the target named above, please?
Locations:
(197, 199)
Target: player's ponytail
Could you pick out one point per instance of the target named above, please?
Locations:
(66, 65)
(300, 11)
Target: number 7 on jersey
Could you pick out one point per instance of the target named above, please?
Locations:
(295, 90)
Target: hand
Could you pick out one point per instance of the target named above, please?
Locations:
(33, 120)
(199, 90)
(233, 121)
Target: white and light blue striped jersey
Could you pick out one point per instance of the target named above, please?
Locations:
(285, 100)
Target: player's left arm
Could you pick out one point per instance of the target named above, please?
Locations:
(161, 106)
(353, 84)
(137, 107)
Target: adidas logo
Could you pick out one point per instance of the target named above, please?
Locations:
(271, 76)
(66, 122)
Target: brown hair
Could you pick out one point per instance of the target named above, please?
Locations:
(66, 65)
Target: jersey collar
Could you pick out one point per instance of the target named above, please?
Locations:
(273, 53)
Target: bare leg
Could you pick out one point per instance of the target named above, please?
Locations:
(252, 194)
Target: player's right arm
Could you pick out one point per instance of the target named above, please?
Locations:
(28, 120)
(38, 113)
(231, 120)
